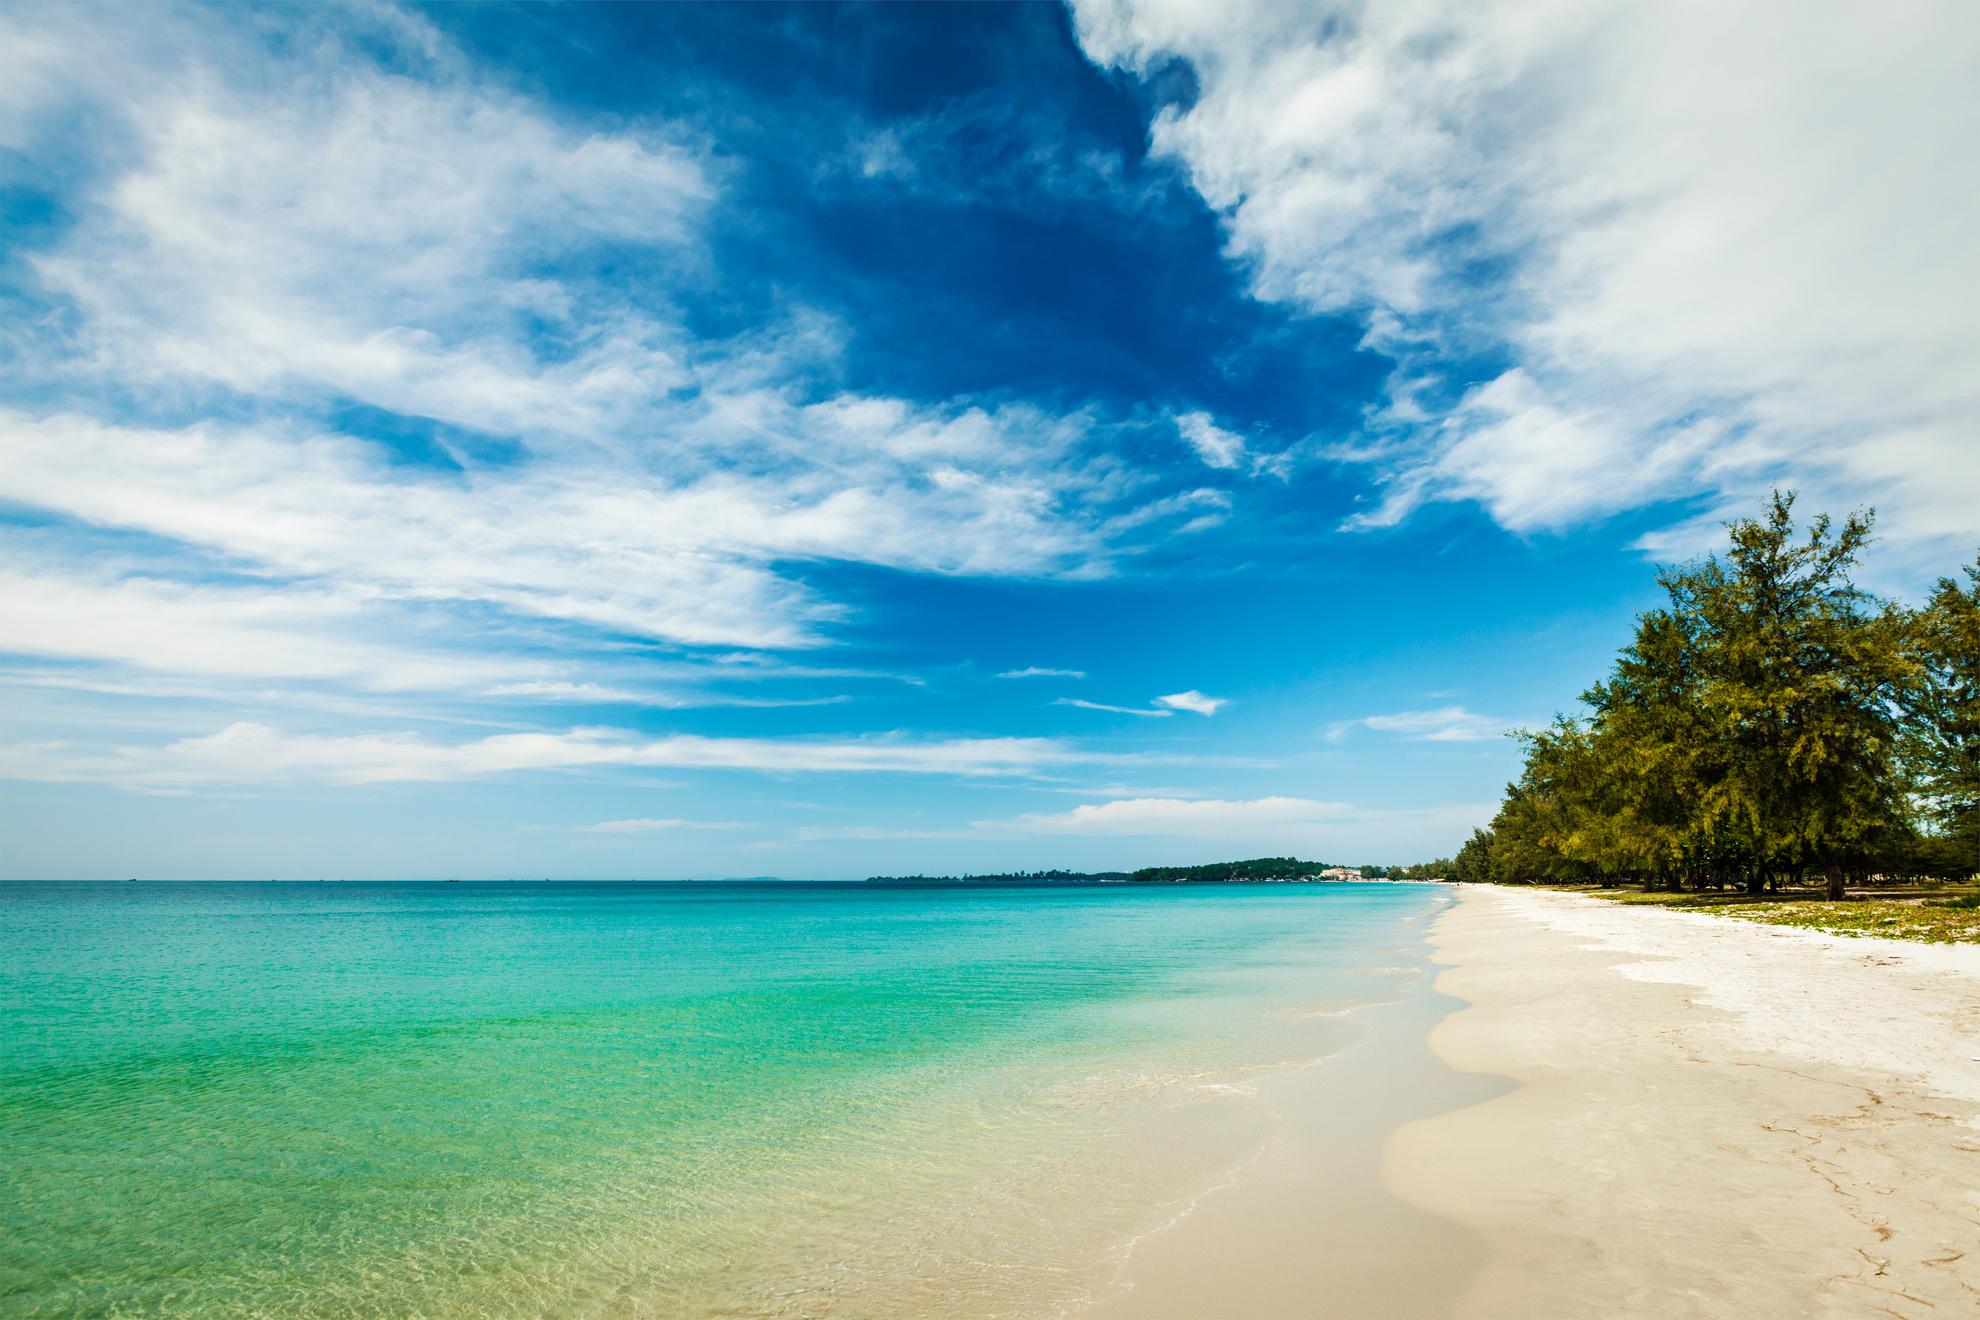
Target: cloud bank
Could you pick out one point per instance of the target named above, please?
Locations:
(341, 349)
(1214, 818)
(1621, 253)
(250, 754)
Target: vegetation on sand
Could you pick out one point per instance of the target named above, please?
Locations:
(1773, 726)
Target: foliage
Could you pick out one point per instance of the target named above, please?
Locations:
(1773, 722)
(1944, 735)
(1473, 861)
(1950, 923)
(1921, 918)
(1008, 878)
(1259, 868)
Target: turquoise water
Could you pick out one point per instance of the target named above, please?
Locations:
(455, 1100)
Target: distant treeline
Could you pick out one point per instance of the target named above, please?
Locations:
(1008, 877)
(1437, 870)
(1259, 868)
(1773, 724)
(1288, 868)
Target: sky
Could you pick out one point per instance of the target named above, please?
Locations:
(694, 441)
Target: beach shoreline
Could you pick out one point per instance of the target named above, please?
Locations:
(1304, 1226)
(1618, 1111)
(1712, 1118)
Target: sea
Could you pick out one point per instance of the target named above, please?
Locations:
(532, 1099)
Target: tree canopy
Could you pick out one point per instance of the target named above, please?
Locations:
(1773, 721)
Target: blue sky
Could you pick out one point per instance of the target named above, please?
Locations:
(703, 440)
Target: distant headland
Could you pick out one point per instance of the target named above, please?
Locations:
(1259, 870)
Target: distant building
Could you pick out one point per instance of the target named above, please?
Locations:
(1341, 873)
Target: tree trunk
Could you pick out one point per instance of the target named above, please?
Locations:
(1756, 881)
(1835, 873)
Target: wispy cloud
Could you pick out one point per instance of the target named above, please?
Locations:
(1174, 816)
(432, 406)
(254, 754)
(1117, 710)
(1193, 701)
(1692, 253)
(643, 826)
(601, 695)
(1215, 818)
(822, 833)
(1445, 724)
(1036, 672)
(1216, 447)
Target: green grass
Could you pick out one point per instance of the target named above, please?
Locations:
(1886, 920)
(1928, 916)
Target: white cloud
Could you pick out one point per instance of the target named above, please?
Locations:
(1217, 448)
(1036, 672)
(597, 545)
(251, 631)
(1116, 710)
(602, 695)
(1711, 247)
(252, 754)
(1257, 821)
(557, 690)
(820, 833)
(1193, 700)
(298, 232)
(644, 826)
(311, 221)
(1445, 724)
(1211, 816)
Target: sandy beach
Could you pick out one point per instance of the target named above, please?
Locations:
(1306, 1226)
(1668, 1115)
(1714, 1118)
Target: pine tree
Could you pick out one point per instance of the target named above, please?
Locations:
(1944, 739)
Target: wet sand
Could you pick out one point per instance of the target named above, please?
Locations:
(1632, 1112)
(1307, 1228)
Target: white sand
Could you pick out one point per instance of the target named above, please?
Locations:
(1714, 1118)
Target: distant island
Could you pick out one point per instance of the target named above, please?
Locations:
(1259, 870)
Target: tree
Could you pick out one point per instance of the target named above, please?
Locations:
(1474, 861)
(1566, 818)
(1654, 755)
(1944, 739)
(1773, 719)
(1799, 679)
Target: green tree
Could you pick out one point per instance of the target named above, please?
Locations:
(1654, 755)
(1792, 743)
(1474, 861)
(1773, 719)
(1944, 738)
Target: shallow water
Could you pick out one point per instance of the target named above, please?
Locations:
(453, 1100)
